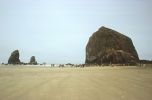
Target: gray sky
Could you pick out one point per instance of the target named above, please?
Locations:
(57, 31)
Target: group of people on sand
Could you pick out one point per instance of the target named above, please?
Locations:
(68, 65)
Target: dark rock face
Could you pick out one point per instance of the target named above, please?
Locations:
(107, 46)
(14, 58)
(33, 60)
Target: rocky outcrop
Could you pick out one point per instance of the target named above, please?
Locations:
(33, 61)
(14, 58)
(107, 46)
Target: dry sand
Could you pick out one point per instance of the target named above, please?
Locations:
(93, 83)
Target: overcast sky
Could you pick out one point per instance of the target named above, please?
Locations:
(57, 31)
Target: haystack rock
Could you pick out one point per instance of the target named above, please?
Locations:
(33, 60)
(14, 58)
(107, 46)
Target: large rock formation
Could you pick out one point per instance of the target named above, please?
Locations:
(33, 60)
(107, 46)
(14, 58)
